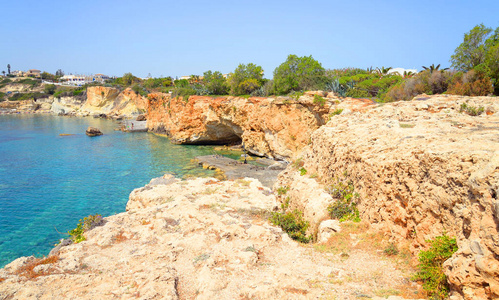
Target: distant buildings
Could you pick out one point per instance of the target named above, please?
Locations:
(30, 73)
(78, 80)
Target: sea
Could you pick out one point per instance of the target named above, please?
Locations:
(49, 181)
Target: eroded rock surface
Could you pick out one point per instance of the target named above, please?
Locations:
(196, 239)
(273, 127)
(422, 168)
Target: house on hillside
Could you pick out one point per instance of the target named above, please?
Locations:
(34, 73)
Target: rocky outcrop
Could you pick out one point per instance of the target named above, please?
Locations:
(113, 103)
(422, 168)
(273, 127)
(99, 101)
(92, 131)
(196, 239)
(67, 105)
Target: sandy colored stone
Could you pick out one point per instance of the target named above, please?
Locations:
(197, 239)
(422, 168)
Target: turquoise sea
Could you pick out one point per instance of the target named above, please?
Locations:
(48, 182)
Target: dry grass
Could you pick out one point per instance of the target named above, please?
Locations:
(28, 271)
(359, 237)
(120, 237)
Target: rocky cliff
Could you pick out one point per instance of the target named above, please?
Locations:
(422, 168)
(273, 127)
(98, 100)
(112, 102)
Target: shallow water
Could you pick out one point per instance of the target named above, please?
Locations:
(48, 182)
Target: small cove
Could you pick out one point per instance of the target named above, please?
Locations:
(48, 182)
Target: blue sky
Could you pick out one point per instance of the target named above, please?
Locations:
(178, 38)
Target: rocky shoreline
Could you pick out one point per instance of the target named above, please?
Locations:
(421, 168)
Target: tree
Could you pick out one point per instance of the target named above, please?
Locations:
(47, 76)
(433, 68)
(50, 88)
(215, 83)
(298, 73)
(479, 49)
(383, 71)
(8, 69)
(3, 72)
(243, 80)
(59, 73)
(473, 50)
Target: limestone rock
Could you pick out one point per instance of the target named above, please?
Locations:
(193, 239)
(141, 118)
(92, 131)
(327, 229)
(421, 168)
(273, 127)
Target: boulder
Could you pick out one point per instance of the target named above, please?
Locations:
(92, 131)
(141, 118)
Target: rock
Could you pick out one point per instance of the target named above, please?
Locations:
(63, 243)
(141, 118)
(422, 168)
(313, 93)
(268, 127)
(92, 131)
(15, 265)
(327, 229)
(193, 239)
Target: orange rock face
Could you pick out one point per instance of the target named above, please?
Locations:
(274, 127)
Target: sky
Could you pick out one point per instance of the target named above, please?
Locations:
(176, 38)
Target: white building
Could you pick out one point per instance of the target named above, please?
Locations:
(79, 80)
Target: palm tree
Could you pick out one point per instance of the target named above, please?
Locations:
(8, 68)
(383, 70)
(408, 74)
(433, 68)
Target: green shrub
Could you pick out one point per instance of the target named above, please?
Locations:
(303, 171)
(298, 74)
(391, 250)
(471, 110)
(84, 225)
(282, 190)
(184, 92)
(319, 100)
(473, 83)
(345, 207)
(427, 82)
(49, 89)
(296, 95)
(430, 266)
(28, 81)
(336, 112)
(27, 96)
(58, 94)
(78, 92)
(293, 224)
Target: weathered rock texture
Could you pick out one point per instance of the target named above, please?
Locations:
(422, 168)
(99, 100)
(196, 239)
(112, 102)
(273, 127)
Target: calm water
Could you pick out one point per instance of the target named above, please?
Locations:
(48, 182)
